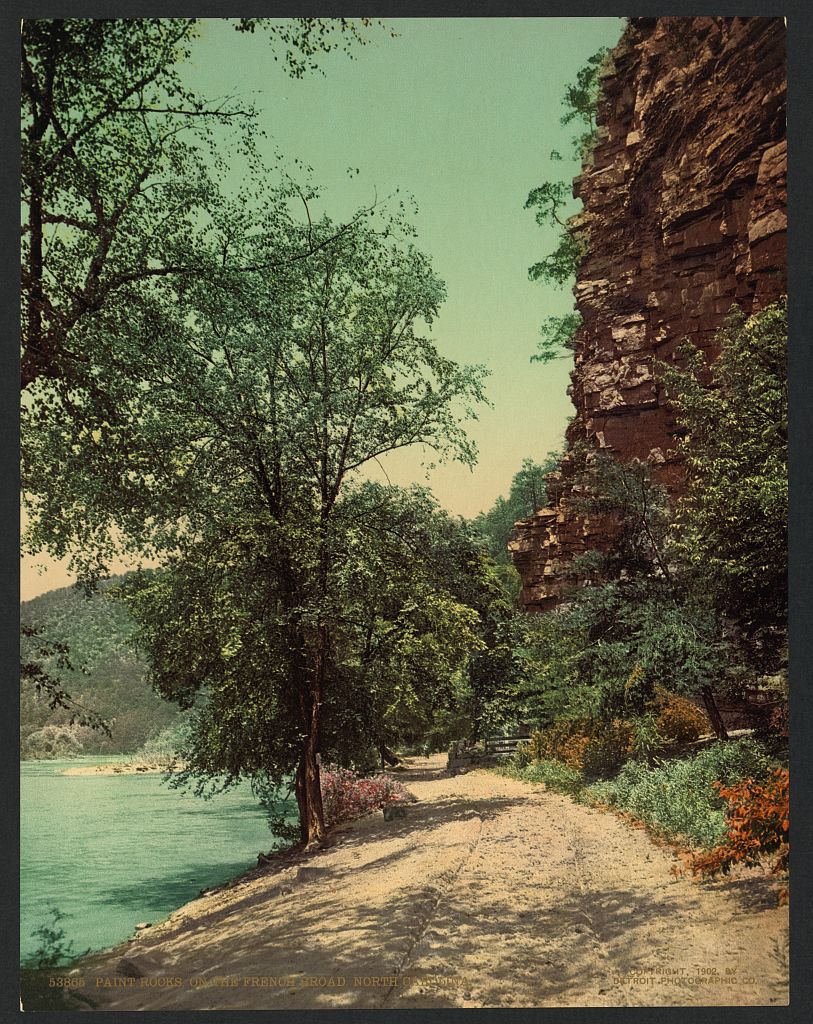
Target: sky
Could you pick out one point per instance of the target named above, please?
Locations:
(461, 113)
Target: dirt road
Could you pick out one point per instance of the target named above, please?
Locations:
(490, 893)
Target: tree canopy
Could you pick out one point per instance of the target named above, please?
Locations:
(119, 172)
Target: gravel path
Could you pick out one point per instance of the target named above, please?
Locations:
(490, 893)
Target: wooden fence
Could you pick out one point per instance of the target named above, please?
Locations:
(504, 746)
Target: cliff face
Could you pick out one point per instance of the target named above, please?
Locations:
(683, 215)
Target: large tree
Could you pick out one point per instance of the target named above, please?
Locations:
(260, 399)
(219, 637)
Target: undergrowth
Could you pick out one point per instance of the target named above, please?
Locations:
(677, 798)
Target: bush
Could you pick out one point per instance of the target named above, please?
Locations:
(679, 798)
(586, 745)
(53, 952)
(346, 795)
(54, 742)
(166, 746)
(646, 738)
(608, 746)
(522, 756)
(678, 720)
(563, 741)
(757, 820)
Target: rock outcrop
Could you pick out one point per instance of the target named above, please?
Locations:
(684, 215)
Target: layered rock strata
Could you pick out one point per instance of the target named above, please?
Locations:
(684, 215)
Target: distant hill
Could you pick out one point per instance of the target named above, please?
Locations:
(97, 630)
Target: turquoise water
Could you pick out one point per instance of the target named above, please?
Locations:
(112, 851)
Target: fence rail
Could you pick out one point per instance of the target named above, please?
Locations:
(504, 744)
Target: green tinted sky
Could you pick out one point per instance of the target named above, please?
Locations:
(463, 114)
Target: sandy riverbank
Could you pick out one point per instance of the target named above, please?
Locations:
(119, 768)
(491, 893)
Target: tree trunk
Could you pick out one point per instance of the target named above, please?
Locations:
(308, 788)
(308, 782)
(315, 816)
(714, 714)
(301, 800)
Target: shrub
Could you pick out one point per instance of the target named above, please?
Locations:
(521, 757)
(778, 721)
(732, 761)
(757, 820)
(565, 741)
(36, 972)
(679, 798)
(55, 741)
(609, 744)
(678, 720)
(586, 745)
(646, 738)
(166, 746)
(346, 795)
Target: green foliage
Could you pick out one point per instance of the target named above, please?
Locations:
(639, 510)
(731, 525)
(646, 739)
(280, 808)
(306, 605)
(559, 267)
(550, 200)
(523, 756)
(43, 665)
(54, 741)
(606, 652)
(118, 195)
(167, 746)
(638, 626)
(591, 746)
(399, 635)
(607, 748)
(307, 39)
(678, 720)
(557, 334)
(678, 797)
(580, 100)
(53, 950)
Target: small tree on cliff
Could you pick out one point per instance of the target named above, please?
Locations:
(260, 398)
(549, 201)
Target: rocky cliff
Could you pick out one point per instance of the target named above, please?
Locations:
(684, 214)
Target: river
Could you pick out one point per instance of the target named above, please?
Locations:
(111, 851)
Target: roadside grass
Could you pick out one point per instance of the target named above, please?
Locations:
(675, 799)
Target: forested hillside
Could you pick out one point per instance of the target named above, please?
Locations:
(106, 677)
